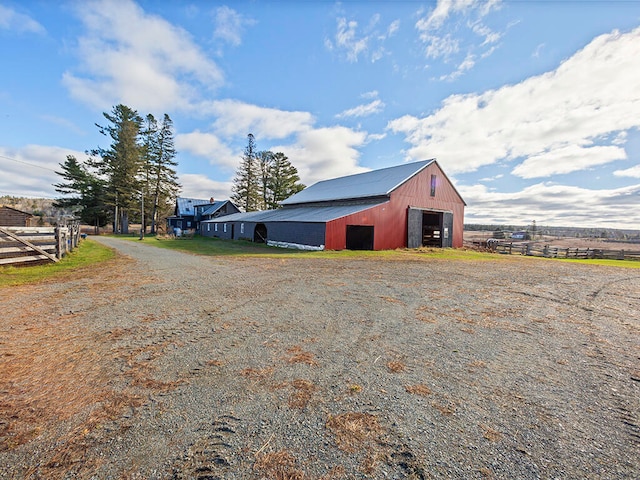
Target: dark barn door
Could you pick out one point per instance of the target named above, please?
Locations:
(414, 228)
(359, 237)
(447, 229)
(260, 233)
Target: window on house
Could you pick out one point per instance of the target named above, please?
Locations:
(215, 227)
(433, 185)
(208, 227)
(242, 228)
(224, 227)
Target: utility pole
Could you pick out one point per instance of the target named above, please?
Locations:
(142, 222)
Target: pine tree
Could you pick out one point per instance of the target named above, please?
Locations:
(84, 192)
(284, 180)
(246, 185)
(122, 163)
(161, 181)
(265, 161)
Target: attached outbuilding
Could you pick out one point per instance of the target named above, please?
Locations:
(409, 205)
(11, 217)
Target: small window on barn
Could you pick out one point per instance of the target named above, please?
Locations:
(433, 185)
(224, 227)
(242, 228)
(215, 227)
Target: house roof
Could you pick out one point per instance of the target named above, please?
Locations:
(297, 214)
(186, 205)
(214, 207)
(375, 183)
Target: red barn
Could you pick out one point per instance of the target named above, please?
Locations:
(409, 205)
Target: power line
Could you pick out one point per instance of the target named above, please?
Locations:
(27, 163)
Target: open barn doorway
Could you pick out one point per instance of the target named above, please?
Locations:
(359, 237)
(260, 233)
(429, 228)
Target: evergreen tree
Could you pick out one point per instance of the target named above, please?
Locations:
(160, 180)
(265, 162)
(246, 184)
(87, 190)
(122, 163)
(284, 180)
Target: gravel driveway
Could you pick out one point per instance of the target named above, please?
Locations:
(168, 365)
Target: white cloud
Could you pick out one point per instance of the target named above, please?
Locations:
(363, 110)
(443, 10)
(209, 146)
(235, 118)
(18, 22)
(590, 97)
(550, 204)
(441, 46)
(201, 186)
(317, 153)
(633, 172)
(131, 57)
(571, 158)
(442, 39)
(230, 25)
(393, 28)
(324, 153)
(30, 170)
(346, 39)
(349, 41)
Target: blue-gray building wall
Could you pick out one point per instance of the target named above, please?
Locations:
(301, 233)
(290, 232)
(218, 229)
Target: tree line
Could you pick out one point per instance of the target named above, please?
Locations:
(263, 179)
(134, 178)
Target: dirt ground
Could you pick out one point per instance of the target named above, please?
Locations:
(165, 365)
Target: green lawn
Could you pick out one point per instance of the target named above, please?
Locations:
(91, 252)
(88, 253)
(217, 247)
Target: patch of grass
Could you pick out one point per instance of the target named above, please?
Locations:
(88, 253)
(354, 430)
(491, 434)
(603, 262)
(303, 391)
(396, 366)
(279, 466)
(418, 389)
(298, 355)
(211, 246)
(218, 247)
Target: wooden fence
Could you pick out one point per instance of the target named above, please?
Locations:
(548, 251)
(29, 245)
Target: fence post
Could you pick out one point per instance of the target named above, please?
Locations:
(58, 243)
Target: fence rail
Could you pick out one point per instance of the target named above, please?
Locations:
(548, 251)
(30, 245)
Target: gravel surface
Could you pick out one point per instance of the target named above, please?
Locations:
(169, 365)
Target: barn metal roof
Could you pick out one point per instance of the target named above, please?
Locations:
(297, 214)
(362, 185)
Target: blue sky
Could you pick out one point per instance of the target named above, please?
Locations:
(531, 107)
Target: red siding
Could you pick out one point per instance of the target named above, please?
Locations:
(390, 218)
